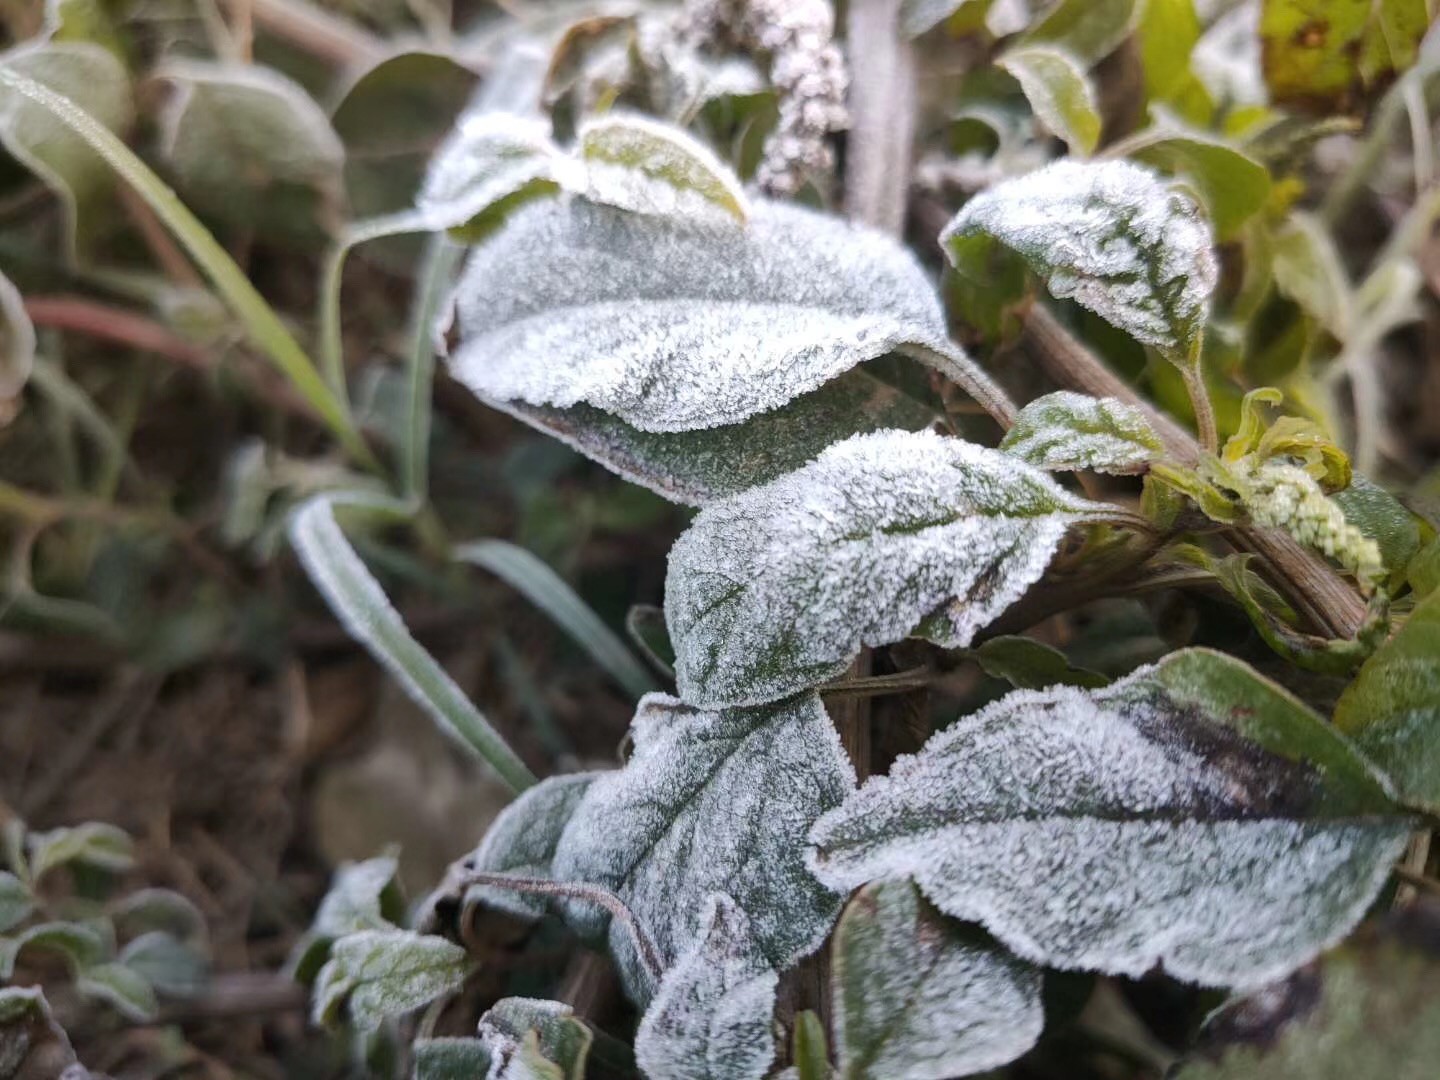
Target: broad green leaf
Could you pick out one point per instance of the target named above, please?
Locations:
(1392, 709)
(82, 945)
(1109, 235)
(522, 840)
(809, 1049)
(883, 536)
(364, 610)
(377, 974)
(491, 163)
(1308, 270)
(698, 467)
(94, 844)
(126, 991)
(1168, 31)
(549, 592)
(711, 1018)
(918, 16)
(1383, 518)
(918, 997)
(1232, 186)
(250, 147)
(710, 802)
(1059, 93)
(1068, 431)
(1027, 664)
(1370, 1008)
(532, 1039)
(145, 910)
(680, 324)
(451, 1059)
(17, 349)
(30, 1037)
(637, 164)
(1087, 29)
(362, 896)
(1423, 569)
(1326, 55)
(1192, 815)
(166, 963)
(16, 901)
(97, 82)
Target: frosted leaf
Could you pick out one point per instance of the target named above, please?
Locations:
(638, 164)
(450, 1059)
(490, 160)
(882, 536)
(522, 841)
(362, 896)
(918, 997)
(710, 802)
(1068, 431)
(698, 467)
(385, 973)
(1191, 815)
(533, 1039)
(711, 1018)
(678, 324)
(1109, 235)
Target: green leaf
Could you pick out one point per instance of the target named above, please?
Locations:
(918, 997)
(532, 1039)
(918, 16)
(710, 802)
(1392, 709)
(711, 1018)
(145, 910)
(491, 160)
(94, 844)
(1308, 270)
(17, 349)
(522, 841)
(1325, 55)
(1027, 664)
(1423, 569)
(698, 467)
(1232, 186)
(731, 322)
(549, 592)
(364, 610)
(1192, 815)
(1059, 93)
(126, 991)
(250, 147)
(30, 1037)
(809, 1048)
(378, 974)
(166, 963)
(882, 537)
(451, 1059)
(1383, 518)
(1168, 32)
(1370, 1008)
(1109, 235)
(16, 901)
(1069, 432)
(647, 167)
(362, 896)
(1088, 29)
(258, 318)
(82, 945)
(97, 82)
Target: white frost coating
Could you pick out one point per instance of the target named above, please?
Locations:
(1118, 829)
(522, 839)
(637, 164)
(677, 325)
(1111, 236)
(776, 589)
(710, 802)
(1068, 431)
(378, 974)
(489, 156)
(920, 998)
(711, 1019)
(534, 1039)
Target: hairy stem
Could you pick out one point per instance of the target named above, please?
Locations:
(882, 114)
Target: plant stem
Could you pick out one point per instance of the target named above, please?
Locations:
(316, 31)
(882, 114)
(1200, 402)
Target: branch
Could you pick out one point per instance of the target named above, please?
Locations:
(313, 29)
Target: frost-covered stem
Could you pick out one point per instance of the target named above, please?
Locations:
(315, 30)
(576, 890)
(1200, 401)
(1325, 598)
(882, 114)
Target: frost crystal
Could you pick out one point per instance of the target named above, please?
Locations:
(676, 325)
(918, 997)
(490, 156)
(637, 164)
(1142, 824)
(1109, 235)
(775, 590)
(1067, 431)
(534, 1039)
(1285, 496)
(711, 801)
(711, 1017)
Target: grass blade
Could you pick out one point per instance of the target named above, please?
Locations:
(442, 256)
(362, 607)
(545, 589)
(258, 318)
